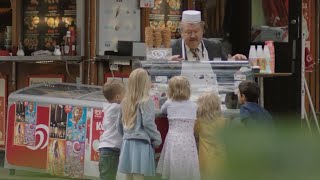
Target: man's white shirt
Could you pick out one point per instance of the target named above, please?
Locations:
(202, 53)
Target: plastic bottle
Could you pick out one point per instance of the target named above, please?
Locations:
(253, 55)
(270, 45)
(261, 60)
(267, 57)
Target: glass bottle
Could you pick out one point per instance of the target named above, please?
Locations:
(67, 47)
(20, 51)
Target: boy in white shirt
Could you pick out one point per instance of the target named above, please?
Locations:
(110, 140)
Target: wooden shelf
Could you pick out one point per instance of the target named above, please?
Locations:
(119, 58)
(39, 58)
(272, 74)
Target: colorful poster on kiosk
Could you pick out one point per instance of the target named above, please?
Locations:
(56, 156)
(76, 125)
(28, 135)
(19, 133)
(74, 165)
(58, 122)
(97, 130)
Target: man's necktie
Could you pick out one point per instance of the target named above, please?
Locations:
(195, 54)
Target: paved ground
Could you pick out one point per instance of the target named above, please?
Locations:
(23, 175)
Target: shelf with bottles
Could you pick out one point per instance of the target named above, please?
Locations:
(40, 58)
(262, 57)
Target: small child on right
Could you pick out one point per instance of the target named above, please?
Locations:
(209, 124)
(251, 113)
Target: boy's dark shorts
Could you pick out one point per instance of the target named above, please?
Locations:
(108, 163)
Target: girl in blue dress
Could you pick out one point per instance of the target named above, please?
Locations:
(136, 123)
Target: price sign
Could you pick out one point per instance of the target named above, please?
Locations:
(147, 3)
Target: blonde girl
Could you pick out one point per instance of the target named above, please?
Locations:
(209, 122)
(179, 157)
(136, 123)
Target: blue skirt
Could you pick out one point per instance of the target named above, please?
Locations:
(137, 157)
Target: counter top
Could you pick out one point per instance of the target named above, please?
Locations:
(38, 58)
(124, 58)
(271, 74)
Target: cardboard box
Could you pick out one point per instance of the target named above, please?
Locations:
(266, 33)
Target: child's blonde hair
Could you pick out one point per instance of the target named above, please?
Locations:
(209, 107)
(179, 88)
(137, 93)
(113, 88)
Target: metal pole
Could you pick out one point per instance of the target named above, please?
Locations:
(303, 45)
(312, 107)
(13, 74)
(318, 29)
(81, 72)
(89, 41)
(261, 85)
(308, 122)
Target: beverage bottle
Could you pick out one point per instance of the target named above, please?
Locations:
(253, 55)
(20, 51)
(270, 45)
(267, 57)
(261, 60)
(67, 45)
(72, 40)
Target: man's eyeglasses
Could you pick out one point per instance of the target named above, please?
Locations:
(189, 33)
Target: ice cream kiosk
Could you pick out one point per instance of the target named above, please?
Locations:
(55, 129)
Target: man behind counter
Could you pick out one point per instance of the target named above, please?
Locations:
(192, 46)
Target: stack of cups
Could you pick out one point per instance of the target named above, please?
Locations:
(166, 37)
(8, 37)
(149, 37)
(157, 38)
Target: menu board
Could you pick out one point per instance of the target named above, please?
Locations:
(166, 13)
(46, 22)
(118, 20)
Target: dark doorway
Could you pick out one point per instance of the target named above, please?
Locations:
(282, 94)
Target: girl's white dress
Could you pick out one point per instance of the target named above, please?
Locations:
(179, 156)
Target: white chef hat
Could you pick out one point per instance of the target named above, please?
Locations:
(191, 16)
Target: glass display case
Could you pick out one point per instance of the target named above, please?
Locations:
(221, 77)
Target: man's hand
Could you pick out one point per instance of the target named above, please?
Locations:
(175, 58)
(239, 57)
